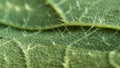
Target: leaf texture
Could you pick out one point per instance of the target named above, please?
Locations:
(63, 39)
(92, 11)
(27, 14)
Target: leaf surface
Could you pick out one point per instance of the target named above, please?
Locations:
(92, 11)
(27, 14)
(68, 44)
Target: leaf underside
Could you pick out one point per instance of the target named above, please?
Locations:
(59, 34)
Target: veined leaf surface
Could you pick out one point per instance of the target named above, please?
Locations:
(77, 34)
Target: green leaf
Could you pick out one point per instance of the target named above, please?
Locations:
(27, 14)
(77, 34)
(92, 11)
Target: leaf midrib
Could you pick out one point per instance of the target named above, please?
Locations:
(79, 24)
